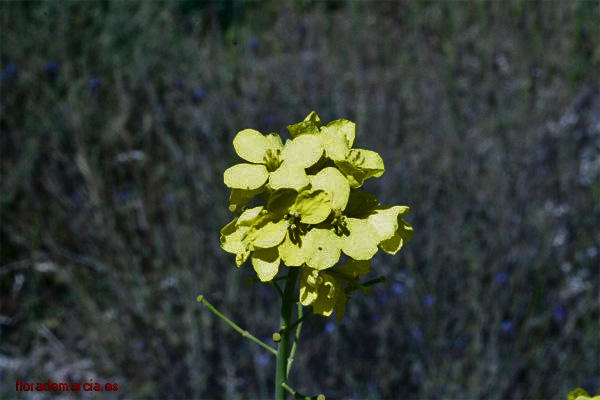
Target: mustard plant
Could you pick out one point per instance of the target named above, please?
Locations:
(301, 205)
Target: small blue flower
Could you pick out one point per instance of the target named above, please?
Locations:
(198, 94)
(269, 119)
(382, 299)
(371, 386)
(95, 82)
(429, 300)
(398, 288)
(9, 72)
(560, 313)
(52, 68)
(262, 360)
(329, 327)
(416, 334)
(123, 196)
(254, 42)
(501, 277)
(506, 326)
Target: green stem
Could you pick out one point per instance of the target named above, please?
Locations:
(244, 333)
(302, 317)
(300, 395)
(284, 330)
(296, 338)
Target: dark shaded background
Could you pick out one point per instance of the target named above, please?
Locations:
(117, 120)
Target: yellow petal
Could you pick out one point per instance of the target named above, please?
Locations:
(385, 220)
(327, 296)
(342, 127)
(274, 141)
(354, 268)
(281, 201)
(231, 238)
(251, 145)
(266, 263)
(321, 248)
(362, 242)
(291, 253)
(250, 216)
(304, 150)
(308, 291)
(359, 165)
(333, 182)
(314, 206)
(403, 234)
(289, 175)
(271, 234)
(246, 176)
(241, 197)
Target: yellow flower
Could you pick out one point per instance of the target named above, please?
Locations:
(271, 162)
(327, 290)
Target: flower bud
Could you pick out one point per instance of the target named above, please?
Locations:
(276, 337)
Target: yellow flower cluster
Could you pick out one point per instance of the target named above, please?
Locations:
(313, 209)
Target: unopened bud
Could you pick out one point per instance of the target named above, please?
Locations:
(199, 298)
(232, 207)
(321, 397)
(276, 337)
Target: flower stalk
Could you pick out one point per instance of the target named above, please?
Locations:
(285, 323)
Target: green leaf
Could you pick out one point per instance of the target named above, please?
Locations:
(313, 206)
(281, 201)
(291, 252)
(304, 150)
(289, 175)
(361, 243)
(246, 176)
(333, 182)
(321, 248)
(271, 234)
(251, 145)
(266, 263)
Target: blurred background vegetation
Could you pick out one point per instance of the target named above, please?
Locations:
(117, 120)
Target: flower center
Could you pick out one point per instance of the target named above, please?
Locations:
(271, 159)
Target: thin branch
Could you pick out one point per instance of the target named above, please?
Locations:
(301, 396)
(296, 338)
(243, 332)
